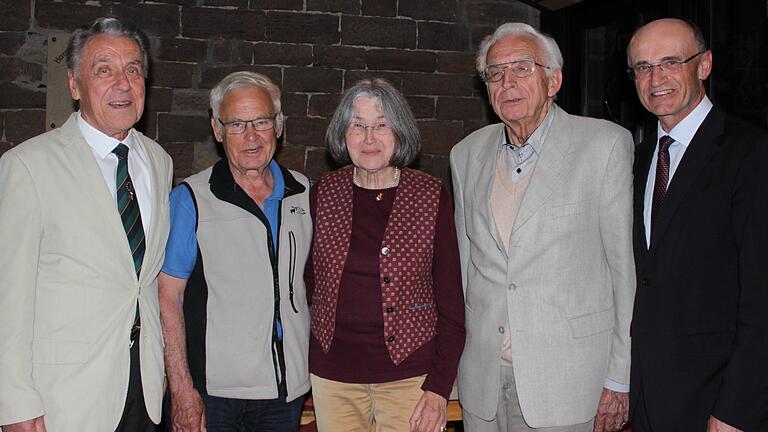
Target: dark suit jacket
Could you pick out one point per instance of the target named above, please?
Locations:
(700, 324)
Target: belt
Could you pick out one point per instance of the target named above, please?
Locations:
(135, 330)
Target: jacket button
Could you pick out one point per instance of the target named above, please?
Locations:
(512, 287)
(385, 250)
(501, 330)
(386, 279)
(390, 309)
(391, 339)
(646, 282)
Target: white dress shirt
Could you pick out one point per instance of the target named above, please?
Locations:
(138, 167)
(682, 133)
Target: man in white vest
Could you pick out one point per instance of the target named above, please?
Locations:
(232, 295)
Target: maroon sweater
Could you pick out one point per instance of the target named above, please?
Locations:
(358, 353)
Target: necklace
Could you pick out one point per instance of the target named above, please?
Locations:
(380, 195)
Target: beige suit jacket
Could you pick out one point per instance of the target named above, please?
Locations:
(68, 288)
(564, 291)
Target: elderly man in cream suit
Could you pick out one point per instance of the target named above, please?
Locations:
(543, 213)
(80, 337)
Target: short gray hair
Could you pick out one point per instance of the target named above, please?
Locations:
(547, 44)
(395, 109)
(242, 79)
(108, 26)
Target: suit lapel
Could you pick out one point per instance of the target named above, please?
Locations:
(643, 157)
(548, 173)
(699, 152)
(156, 179)
(487, 157)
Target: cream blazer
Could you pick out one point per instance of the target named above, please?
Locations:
(68, 288)
(564, 291)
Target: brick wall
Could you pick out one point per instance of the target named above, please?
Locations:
(313, 49)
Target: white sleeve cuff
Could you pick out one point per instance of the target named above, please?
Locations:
(616, 386)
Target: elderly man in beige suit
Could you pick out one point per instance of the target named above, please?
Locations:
(83, 228)
(544, 219)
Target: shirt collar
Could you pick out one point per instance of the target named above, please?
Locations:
(684, 131)
(278, 190)
(536, 140)
(100, 142)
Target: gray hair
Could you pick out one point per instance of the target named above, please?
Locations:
(108, 26)
(395, 110)
(701, 44)
(547, 44)
(242, 79)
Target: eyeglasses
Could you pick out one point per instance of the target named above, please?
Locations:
(519, 68)
(236, 127)
(672, 65)
(380, 129)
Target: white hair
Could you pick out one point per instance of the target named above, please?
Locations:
(240, 79)
(547, 45)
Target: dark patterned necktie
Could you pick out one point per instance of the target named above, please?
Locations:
(128, 206)
(662, 176)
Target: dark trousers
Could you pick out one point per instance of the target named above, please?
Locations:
(241, 415)
(135, 417)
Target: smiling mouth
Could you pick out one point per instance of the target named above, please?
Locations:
(662, 92)
(120, 104)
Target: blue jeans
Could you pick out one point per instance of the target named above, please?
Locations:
(242, 415)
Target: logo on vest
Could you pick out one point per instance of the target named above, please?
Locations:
(298, 210)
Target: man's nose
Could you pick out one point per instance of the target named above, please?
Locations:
(508, 80)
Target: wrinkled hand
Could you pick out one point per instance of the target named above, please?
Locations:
(612, 412)
(187, 411)
(36, 424)
(430, 413)
(715, 425)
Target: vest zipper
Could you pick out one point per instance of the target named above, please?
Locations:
(292, 265)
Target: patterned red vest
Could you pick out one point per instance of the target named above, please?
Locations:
(405, 259)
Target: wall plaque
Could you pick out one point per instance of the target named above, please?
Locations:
(58, 102)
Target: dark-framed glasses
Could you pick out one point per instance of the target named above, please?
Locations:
(519, 68)
(238, 126)
(672, 65)
(381, 128)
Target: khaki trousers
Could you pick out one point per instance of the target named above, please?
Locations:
(345, 407)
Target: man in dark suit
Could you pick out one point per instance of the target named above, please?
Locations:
(700, 325)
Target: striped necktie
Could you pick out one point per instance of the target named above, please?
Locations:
(662, 176)
(128, 207)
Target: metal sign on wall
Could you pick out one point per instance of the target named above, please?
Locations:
(58, 101)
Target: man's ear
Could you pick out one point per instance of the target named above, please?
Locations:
(555, 81)
(279, 124)
(216, 129)
(72, 83)
(705, 65)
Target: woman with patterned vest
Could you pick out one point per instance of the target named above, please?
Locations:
(387, 303)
